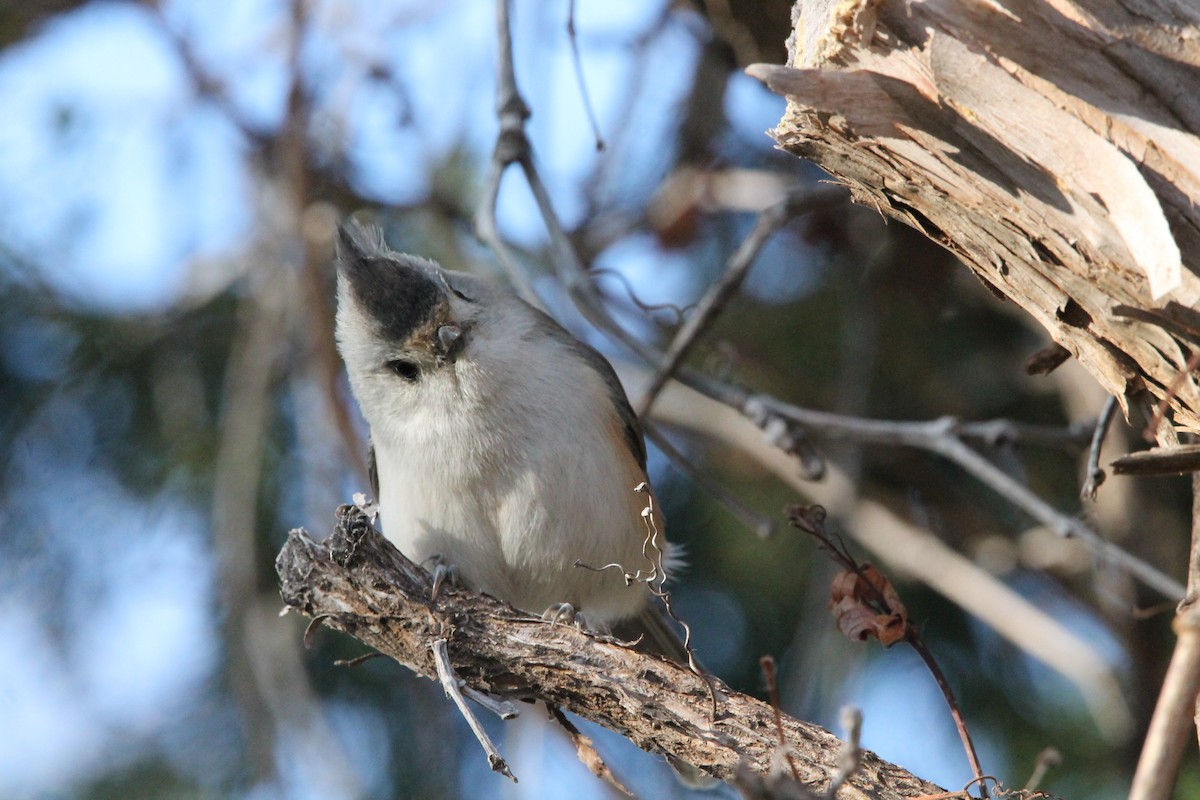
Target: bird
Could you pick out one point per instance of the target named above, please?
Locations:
(501, 444)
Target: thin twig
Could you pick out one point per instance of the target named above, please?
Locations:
(586, 751)
(513, 145)
(647, 308)
(357, 660)
(1193, 579)
(1174, 714)
(441, 658)
(583, 92)
(918, 552)
(769, 221)
(917, 643)
(811, 520)
(851, 753)
(1064, 525)
(767, 665)
(1046, 760)
(504, 709)
(1160, 410)
(1095, 475)
(1172, 460)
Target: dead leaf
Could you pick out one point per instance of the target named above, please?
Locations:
(866, 605)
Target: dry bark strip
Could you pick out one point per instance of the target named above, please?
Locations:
(1051, 144)
(357, 582)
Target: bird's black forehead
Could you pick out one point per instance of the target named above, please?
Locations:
(399, 296)
(399, 292)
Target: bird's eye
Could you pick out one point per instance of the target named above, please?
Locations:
(408, 370)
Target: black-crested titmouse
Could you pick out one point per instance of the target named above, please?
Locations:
(501, 442)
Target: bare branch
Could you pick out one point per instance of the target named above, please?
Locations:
(769, 221)
(940, 436)
(511, 143)
(1175, 460)
(586, 752)
(1175, 711)
(1173, 714)
(365, 587)
(449, 680)
(909, 549)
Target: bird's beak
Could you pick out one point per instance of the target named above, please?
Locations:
(450, 343)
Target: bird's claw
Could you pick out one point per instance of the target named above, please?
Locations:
(441, 572)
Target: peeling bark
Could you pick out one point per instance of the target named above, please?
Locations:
(1051, 144)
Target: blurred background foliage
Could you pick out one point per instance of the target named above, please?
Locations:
(171, 403)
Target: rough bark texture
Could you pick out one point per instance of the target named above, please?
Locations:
(1051, 144)
(357, 582)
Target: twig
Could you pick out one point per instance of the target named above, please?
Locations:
(920, 553)
(767, 664)
(1160, 410)
(769, 221)
(621, 128)
(504, 709)
(583, 92)
(1046, 360)
(449, 681)
(1046, 760)
(939, 436)
(852, 724)
(1095, 475)
(917, 643)
(357, 660)
(1066, 526)
(586, 752)
(647, 308)
(1193, 579)
(1175, 460)
(1002, 432)
(889, 613)
(512, 146)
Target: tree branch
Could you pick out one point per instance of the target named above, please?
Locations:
(1175, 711)
(357, 582)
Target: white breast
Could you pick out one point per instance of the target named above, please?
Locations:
(512, 479)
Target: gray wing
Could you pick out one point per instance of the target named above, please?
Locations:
(616, 392)
(629, 420)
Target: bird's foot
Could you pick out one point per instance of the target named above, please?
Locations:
(564, 613)
(441, 572)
